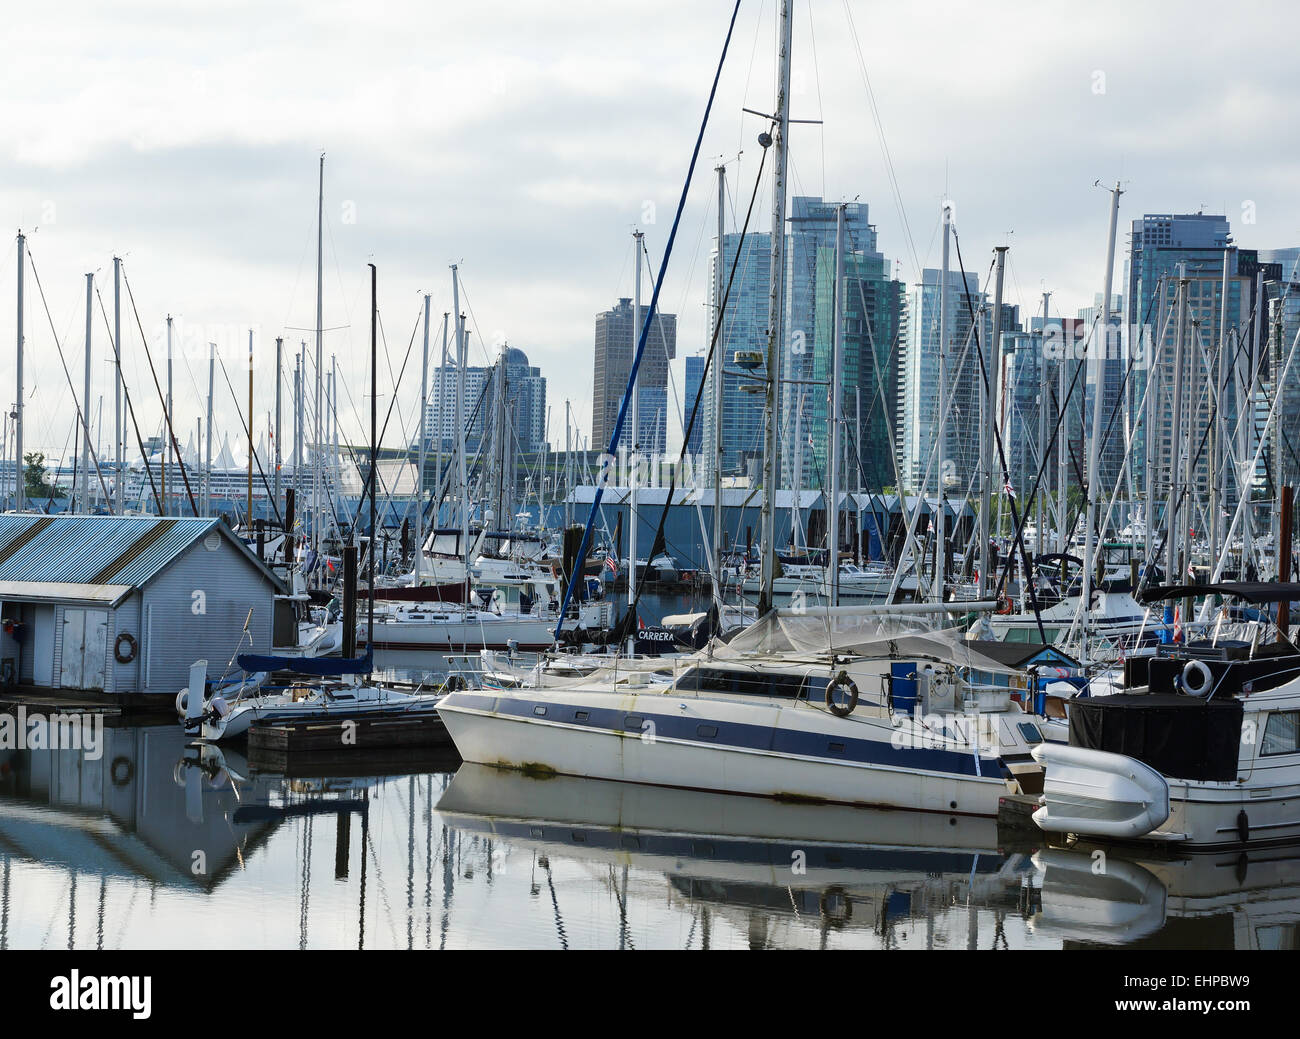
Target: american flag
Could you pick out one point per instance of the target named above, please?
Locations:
(609, 562)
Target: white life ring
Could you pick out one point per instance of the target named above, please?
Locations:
(1197, 669)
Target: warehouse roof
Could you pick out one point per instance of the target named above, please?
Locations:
(123, 552)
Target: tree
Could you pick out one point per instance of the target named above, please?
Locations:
(35, 484)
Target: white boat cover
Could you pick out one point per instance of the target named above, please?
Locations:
(858, 631)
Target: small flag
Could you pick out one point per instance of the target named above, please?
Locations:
(1178, 624)
(609, 562)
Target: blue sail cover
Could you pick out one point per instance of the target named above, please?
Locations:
(319, 666)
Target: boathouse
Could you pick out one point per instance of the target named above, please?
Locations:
(124, 604)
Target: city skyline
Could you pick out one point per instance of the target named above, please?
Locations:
(207, 188)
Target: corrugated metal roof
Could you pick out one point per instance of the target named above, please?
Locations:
(106, 550)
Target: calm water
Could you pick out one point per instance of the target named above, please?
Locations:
(154, 845)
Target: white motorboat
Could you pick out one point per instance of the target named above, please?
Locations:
(1201, 749)
(810, 706)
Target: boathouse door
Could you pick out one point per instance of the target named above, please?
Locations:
(85, 644)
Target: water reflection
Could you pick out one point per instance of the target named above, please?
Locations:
(157, 843)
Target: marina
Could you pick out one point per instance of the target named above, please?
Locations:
(713, 478)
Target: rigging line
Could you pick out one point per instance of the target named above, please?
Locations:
(157, 498)
(1016, 519)
(252, 452)
(884, 144)
(161, 399)
(709, 361)
(81, 414)
(645, 328)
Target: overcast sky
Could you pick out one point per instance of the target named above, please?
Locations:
(526, 141)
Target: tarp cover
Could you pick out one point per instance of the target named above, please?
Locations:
(858, 632)
(1183, 737)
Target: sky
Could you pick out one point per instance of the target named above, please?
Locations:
(525, 143)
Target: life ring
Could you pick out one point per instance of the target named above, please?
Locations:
(124, 648)
(841, 680)
(1004, 606)
(121, 771)
(1194, 669)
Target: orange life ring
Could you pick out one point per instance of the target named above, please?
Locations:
(1004, 606)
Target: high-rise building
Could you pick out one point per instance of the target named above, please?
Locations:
(694, 377)
(526, 400)
(1165, 251)
(617, 331)
(440, 418)
(872, 311)
(919, 396)
(812, 229)
(744, 331)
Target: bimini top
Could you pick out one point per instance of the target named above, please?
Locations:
(1249, 591)
(98, 558)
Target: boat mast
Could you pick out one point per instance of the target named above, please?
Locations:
(1175, 430)
(941, 518)
(119, 482)
(85, 404)
(167, 458)
(279, 358)
(374, 426)
(775, 308)
(438, 425)
(207, 482)
(419, 473)
(460, 422)
(1042, 421)
(20, 486)
(1101, 348)
(719, 363)
(634, 418)
(991, 357)
(317, 504)
(837, 368)
(249, 510)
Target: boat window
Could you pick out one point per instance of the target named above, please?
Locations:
(1281, 733)
(749, 683)
(1030, 732)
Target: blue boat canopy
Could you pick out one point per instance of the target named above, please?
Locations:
(318, 666)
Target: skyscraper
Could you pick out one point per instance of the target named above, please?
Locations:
(744, 329)
(616, 339)
(812, 229)
(694, 377)
(918, 395)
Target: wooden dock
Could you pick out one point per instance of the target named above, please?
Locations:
(343, 740)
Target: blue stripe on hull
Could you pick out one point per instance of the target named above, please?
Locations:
(737, 735)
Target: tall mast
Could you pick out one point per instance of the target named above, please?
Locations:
(837, 369)
(1101, 348)
(941, 519)
(1218, 486)
(460, 420)
(634, 417)
(248, 512)
(775, 309)
(85, 405)
(374, 433)
(279, 362)
(419, 472)
(20, 486)
(796, 505)
(297, 426)
(1042, 423)
(167, 458)
(119, 475)
(207, 464)
(992, 361)
(719, 363)
(438, 425)
(1175, 433)
(317, 496)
